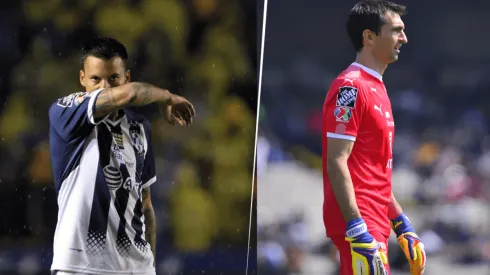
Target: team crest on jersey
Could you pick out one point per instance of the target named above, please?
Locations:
(136, 138)
(347, 97)
(342, 114)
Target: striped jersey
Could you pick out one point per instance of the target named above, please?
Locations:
(100, 168)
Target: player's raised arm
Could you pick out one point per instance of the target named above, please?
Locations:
(338, 172)
(136, 94)
(139, 94)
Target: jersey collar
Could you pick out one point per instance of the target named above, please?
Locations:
(121, 114)
(369, 71)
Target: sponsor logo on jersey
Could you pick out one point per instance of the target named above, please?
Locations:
(130, 184)
(116, 152)
(66, 102)
(389, 164)
(342, 114)
(113, 177)
(347, 97)
(350, 80)
(119, 140)
(79, 98)
(340, 129)
(69, 100)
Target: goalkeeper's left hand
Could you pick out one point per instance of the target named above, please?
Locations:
(410, 244)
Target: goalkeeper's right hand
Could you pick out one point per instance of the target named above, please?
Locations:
(367, 256)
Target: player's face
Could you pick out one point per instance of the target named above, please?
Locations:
(391, 38)
(99, 73)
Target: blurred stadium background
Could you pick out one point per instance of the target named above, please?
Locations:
(202, 49)
(439, 91)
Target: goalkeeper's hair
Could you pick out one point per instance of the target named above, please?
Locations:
(369, 14)
(104, 48)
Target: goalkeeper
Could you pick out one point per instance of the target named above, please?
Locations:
(359, 208)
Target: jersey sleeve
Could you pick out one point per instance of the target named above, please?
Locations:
(73, 115)
(149, 176)
(343, 110)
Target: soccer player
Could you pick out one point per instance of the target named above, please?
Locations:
(103, 165)
(359, 208)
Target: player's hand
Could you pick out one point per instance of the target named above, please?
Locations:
(410, 243)
(367, 256)
(178, 110)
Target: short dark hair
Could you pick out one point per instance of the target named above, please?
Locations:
(104, 48)
(368, 14)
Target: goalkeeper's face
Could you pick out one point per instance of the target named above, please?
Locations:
(390, 39)
(99, 73)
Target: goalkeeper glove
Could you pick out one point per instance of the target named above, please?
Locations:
(367, 257)
(410, 244)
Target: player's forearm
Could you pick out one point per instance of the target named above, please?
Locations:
(131, 94)
(144, 94)
(394, 208)
(151, 228)
(342, 186)
(150, 221)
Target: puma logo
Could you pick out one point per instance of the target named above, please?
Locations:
(378, 108)
(350, 80)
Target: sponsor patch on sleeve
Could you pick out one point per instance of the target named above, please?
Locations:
(79, 98)
(340, 129)
(66, 101)
(69, 100)
(347, 97)
(342, 114)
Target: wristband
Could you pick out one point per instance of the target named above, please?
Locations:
(401, 224)
(355, 228)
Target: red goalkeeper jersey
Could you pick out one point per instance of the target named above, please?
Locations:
(357, 108)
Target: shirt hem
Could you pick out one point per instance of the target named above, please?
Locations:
(340, 136)
(149, 182)
(85, 270)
